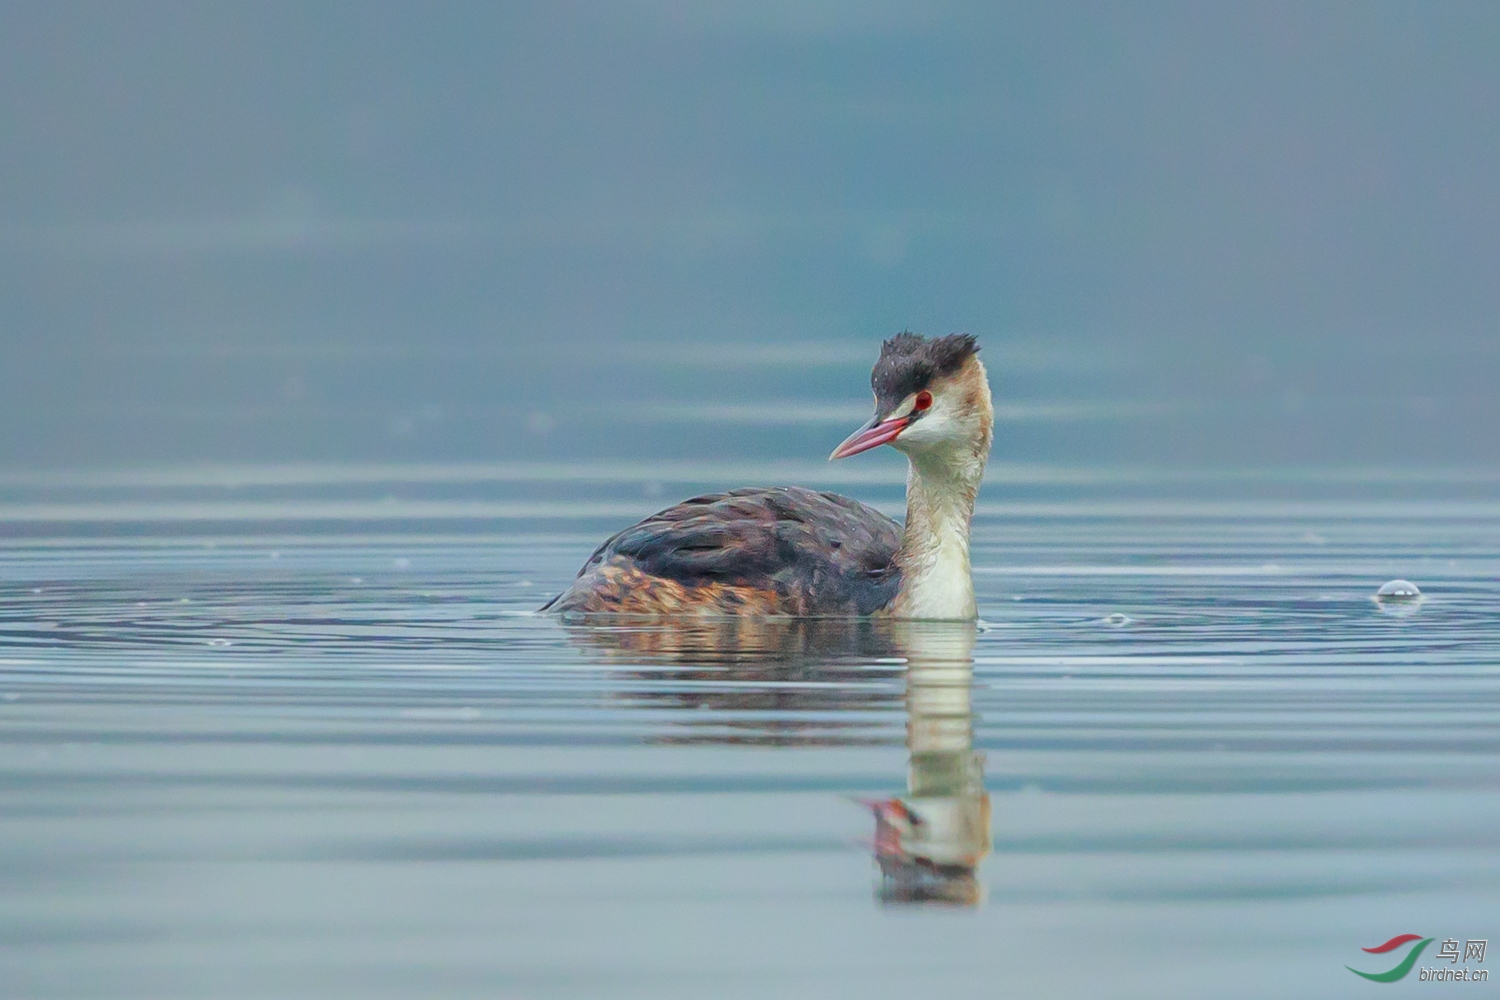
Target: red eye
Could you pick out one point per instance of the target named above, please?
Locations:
(923, 401)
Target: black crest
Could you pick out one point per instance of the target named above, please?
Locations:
(908, 363)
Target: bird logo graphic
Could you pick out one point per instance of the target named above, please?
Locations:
(1402, 967)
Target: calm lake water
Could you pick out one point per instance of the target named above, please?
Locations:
(295, 731)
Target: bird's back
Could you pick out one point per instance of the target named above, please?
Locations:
(764, 550)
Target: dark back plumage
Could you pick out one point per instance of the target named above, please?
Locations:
(764, 550)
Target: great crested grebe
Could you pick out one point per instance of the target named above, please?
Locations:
(792, 551)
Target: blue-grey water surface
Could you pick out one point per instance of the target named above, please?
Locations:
(295, 731)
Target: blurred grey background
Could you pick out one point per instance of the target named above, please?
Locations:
(1203, 234)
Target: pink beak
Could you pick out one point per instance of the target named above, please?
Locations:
(872, 435)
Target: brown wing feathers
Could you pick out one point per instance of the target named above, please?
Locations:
(763, 550)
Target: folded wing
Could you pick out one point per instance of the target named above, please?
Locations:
(778, 550)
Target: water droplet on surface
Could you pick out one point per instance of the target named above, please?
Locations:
(1398, 590)
(1118, 620)
(1399, 597)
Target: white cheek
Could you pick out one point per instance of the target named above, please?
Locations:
(936, 426)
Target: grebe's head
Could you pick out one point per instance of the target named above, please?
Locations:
(931, 399)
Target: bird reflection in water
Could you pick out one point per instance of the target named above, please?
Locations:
(929, 843)
(755, 681)
(784, 681)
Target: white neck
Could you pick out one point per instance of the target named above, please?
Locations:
(934, 557)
